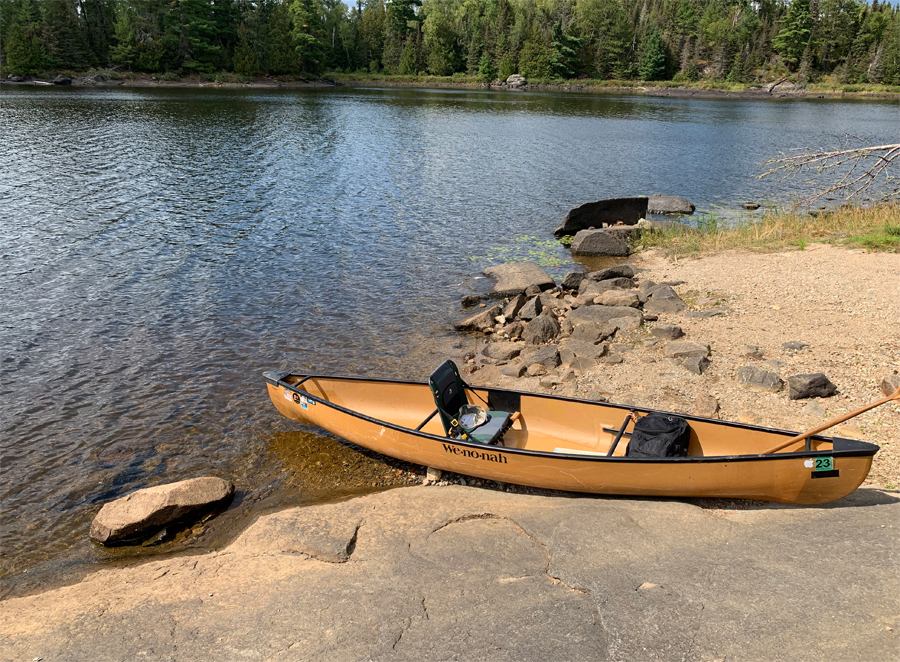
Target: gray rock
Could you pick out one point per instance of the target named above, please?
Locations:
(703, 314)
(550, 381)
(572, 280)
(595, 243)
(618, 298)
(612, 359)
(62, 80)
(595, 214)
(514, 306)
(513, 330)
(751, 352)
(514, 278)
(764, 380)
(794, 345)
(502, 351)
(684, 349)
(513, 370)
(516, 81)
(750, 205)
(626, 323)
(546, 356)
(479, 321)
(667, 332)
(531, 309)
(602, 314)
(810, 386)
(695, 364)
(469, 300)
(574, 349)
(889, 384)
(593, 332)
(532, 291)
(582, 365)
(647, 286)
(669, 204)
(535, 370)
(664, 300)
(596, 288)
(148, 510)
(550, 302)
(618, 271)
(541, 330)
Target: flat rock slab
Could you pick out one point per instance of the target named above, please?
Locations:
(606, 242)
(515, 277)
(603, 314)
(595, 214)
(148, 510)
(461, 573)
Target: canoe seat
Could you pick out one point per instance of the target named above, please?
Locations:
(449, 392)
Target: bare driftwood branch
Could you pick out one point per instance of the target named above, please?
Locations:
(844, 172)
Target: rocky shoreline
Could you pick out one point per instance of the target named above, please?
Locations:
(784, 90)
(721, 336)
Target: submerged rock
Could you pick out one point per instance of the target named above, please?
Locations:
(515, 277)
(669, 204)
(150, 509)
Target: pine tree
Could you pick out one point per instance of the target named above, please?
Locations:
(794, 36)
(653, 58)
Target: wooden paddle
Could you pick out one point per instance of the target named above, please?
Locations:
(834, 421)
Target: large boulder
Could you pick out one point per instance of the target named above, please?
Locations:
(669, 204)
(604, 242)
(603, 314)
(595, 214)
(479, 321)
(146, 511)
(515, 277)
(516, 81)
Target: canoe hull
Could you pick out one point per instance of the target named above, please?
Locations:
(786, 477)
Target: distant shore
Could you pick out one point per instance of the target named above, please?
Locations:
(700, 90)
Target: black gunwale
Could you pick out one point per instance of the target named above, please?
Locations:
(850, 447)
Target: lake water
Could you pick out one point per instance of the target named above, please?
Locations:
(162, 247)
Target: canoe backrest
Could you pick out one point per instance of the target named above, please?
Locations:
(449, 392)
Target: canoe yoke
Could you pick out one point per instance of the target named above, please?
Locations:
(449, 391)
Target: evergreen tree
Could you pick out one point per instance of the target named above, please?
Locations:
(653, 58)
(794, 36)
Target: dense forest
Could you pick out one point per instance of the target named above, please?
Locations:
(682, 40)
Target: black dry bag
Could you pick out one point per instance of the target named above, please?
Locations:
(659, 435)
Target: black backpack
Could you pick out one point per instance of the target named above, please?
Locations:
(659, 435)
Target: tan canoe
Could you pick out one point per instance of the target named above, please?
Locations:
(562, 443)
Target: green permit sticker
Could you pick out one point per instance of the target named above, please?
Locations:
(824, 464)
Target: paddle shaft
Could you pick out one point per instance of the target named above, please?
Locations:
(834, 421)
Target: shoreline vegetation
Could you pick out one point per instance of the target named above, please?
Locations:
(783, 89)
(875, 228)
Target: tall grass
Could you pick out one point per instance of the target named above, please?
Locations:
(874, 228)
